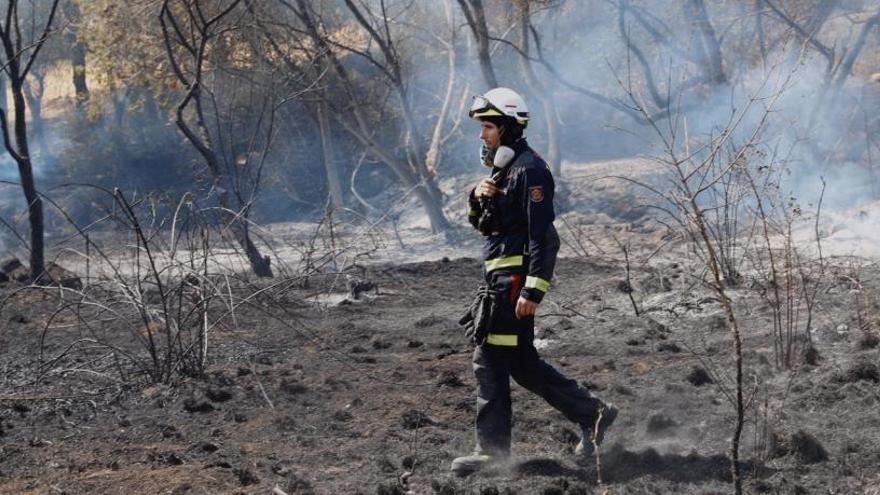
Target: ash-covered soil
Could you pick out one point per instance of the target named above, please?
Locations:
(377, 396)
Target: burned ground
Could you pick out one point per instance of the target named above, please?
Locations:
(376, 395)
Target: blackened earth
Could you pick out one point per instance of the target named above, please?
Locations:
(377, 396)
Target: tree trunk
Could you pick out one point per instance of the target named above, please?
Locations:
(238, 223)
(33, 92)
(415, 154)
(409, 172)
(4, 101)
(78, 62)
(710, 54)
(151, 107)
(78, 50)
(475, 15)
(432, 157)
(554, 151)
(33, 95)
(483, 45)
(200, 138)
(235, 220)
(25, 170)
(116, 130)
(434, 209)
(17, 67)
(334, 184)
(542, 94)
(758, 14)
(430, 200)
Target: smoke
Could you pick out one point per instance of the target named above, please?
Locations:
(816, 132)
(817, 129)
(582, 41)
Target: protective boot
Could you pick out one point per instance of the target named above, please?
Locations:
(586, 447)
(469, 464)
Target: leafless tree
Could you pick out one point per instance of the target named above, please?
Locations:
(543, 94)
(840, 53)
(706, 175)
(20, 53)
(702, 50)
(34, 91)
(189, 33)
(441, 134)
(475, 15)
(306, 81)
(411, 169)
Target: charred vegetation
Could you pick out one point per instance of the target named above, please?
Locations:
(233, 248)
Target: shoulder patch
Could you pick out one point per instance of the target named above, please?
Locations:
(536, 194)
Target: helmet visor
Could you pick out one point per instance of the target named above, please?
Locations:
(482, 107)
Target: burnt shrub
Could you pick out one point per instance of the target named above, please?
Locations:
(863, 371)
(218, 394)
(414, 419)
(449, 379)
(246, 477)
(196, 405)
(807, 449)
(292, 386)
(802, 445)
(660, 423)
(811, 356)
(668, 347)
(868, 341)
(699, 377)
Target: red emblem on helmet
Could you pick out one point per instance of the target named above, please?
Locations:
(536, 194)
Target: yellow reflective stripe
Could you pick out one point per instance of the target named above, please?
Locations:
(537, 283)
(502, 339)
(472, 212)
(491, 112)
(506, 262)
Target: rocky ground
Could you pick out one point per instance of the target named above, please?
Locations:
(311, 391)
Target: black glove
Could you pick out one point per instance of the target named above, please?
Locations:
(478, 321)
(490, 221)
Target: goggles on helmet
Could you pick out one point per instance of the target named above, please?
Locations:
(482, 107)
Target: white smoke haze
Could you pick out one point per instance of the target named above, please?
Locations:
(630, 310)
(843, 231)
(583, 41)
(814, 133)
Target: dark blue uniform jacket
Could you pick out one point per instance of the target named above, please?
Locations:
(526, 241)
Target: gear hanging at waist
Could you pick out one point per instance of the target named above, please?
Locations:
(478, 321)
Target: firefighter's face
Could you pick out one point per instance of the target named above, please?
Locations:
(490, 134)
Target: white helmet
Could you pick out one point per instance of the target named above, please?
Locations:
(500, 102)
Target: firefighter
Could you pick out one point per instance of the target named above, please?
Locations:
(513, 209)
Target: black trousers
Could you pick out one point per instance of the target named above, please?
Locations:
(494, 365)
